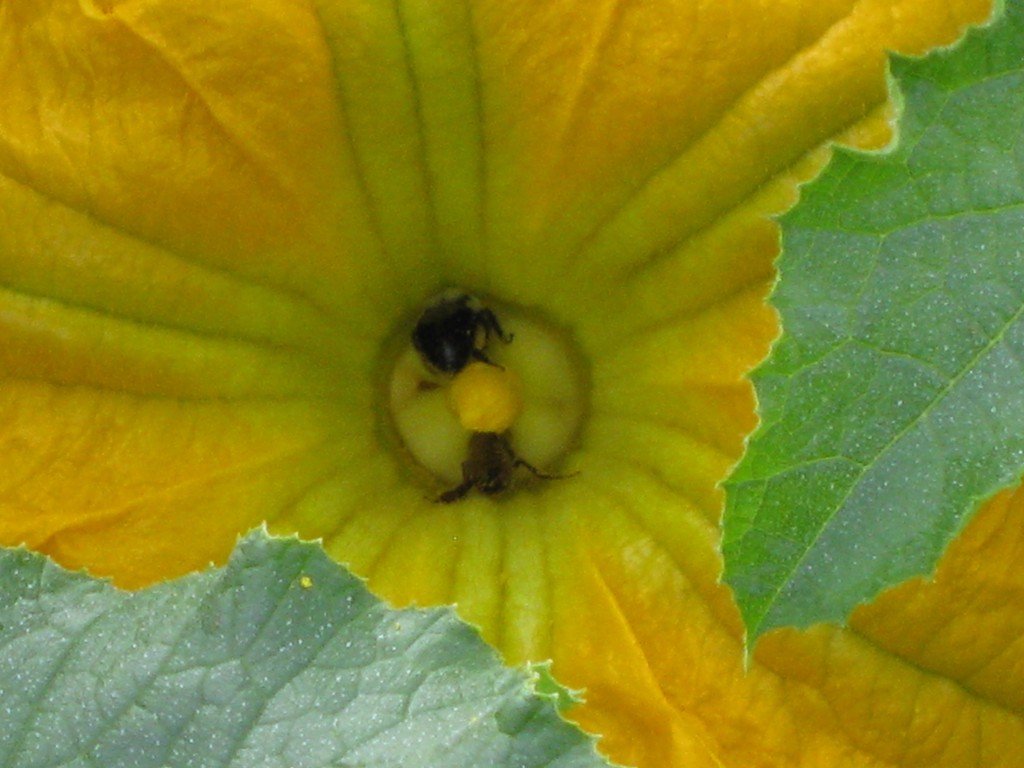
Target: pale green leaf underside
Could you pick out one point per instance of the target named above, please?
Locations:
(280, 659)
(894, 401)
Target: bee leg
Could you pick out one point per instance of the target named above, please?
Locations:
(537, 473)
(490, 323)
(479, 354)
(455, 493)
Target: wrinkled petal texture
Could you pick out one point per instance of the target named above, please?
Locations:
(216, 218)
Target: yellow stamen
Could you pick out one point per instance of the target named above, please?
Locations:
(486, 398)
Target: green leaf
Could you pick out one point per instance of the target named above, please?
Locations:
(546, 685)
(280, 659)
(893, 404)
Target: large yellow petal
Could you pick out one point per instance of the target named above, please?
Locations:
(929, 675)
(217, 223)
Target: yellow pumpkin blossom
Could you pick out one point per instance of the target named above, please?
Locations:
(220, 223)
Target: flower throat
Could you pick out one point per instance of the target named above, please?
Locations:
(485, 397)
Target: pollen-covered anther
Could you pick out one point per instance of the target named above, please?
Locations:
(486, 398)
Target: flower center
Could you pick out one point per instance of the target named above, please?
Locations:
(467, 368)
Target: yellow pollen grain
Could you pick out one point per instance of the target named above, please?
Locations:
(486, 398)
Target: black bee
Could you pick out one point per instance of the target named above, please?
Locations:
(454, 331)
(489, 467)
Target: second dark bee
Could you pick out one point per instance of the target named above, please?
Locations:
(489, 467)
(455, 330)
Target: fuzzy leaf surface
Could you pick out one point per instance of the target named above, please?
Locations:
(281, 658)
(893, 404)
